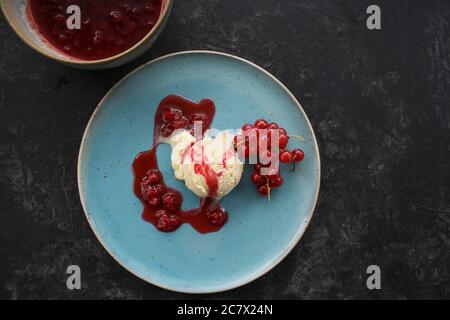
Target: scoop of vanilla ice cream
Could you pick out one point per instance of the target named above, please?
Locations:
(217, 152)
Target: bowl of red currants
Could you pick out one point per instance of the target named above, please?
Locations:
(88, 34)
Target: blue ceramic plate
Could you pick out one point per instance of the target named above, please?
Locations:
(258, 235)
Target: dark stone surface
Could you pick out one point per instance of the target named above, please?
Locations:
(378, 100)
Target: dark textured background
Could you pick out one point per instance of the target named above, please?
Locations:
(378, 100)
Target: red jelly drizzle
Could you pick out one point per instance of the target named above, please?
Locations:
(204, 169)
(210, 177)
(108, 27)
(145, 161)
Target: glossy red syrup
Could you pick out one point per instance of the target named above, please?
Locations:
(186, 111)
(108, 27)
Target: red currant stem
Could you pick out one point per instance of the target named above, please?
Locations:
(268, 188)
(293, 165)
(297, 137)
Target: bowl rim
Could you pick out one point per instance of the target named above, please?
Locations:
(167, 4)
(265, 268)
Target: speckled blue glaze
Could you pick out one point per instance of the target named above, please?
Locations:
(258, 235)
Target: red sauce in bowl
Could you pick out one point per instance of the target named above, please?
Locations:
(108, 27)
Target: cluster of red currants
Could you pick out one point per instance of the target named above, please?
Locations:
(174, 119)
(262, 130)
(157, 195)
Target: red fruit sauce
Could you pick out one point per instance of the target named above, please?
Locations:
(209, 216)
(108, 27)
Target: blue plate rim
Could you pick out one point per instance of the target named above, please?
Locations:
(264, 269)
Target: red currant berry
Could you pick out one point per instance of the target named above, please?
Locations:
(264, 189)
(199, 117)
(145, 183)
(177, 114)
(166, 224)
(246, 127)
(297, 155)
(283, 141)
(86, 23)
(172, 201)
(217, 216)
(276, 181)
(261, 124)
(175, 221)
(180, 123)
(283, 131)
(161, 213)
(273, 125)
(163, 223)
(258, 179)
(153, 201)
(98, 37)
(167, 115)
(259, 166)
(63, 38)
(153, 176)
(136, 12)
(115, 17)
(171, 114)
(68, 48)
(159, 188)
(273, 176)
(153, 190)
(285, 157)
(167, 129)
